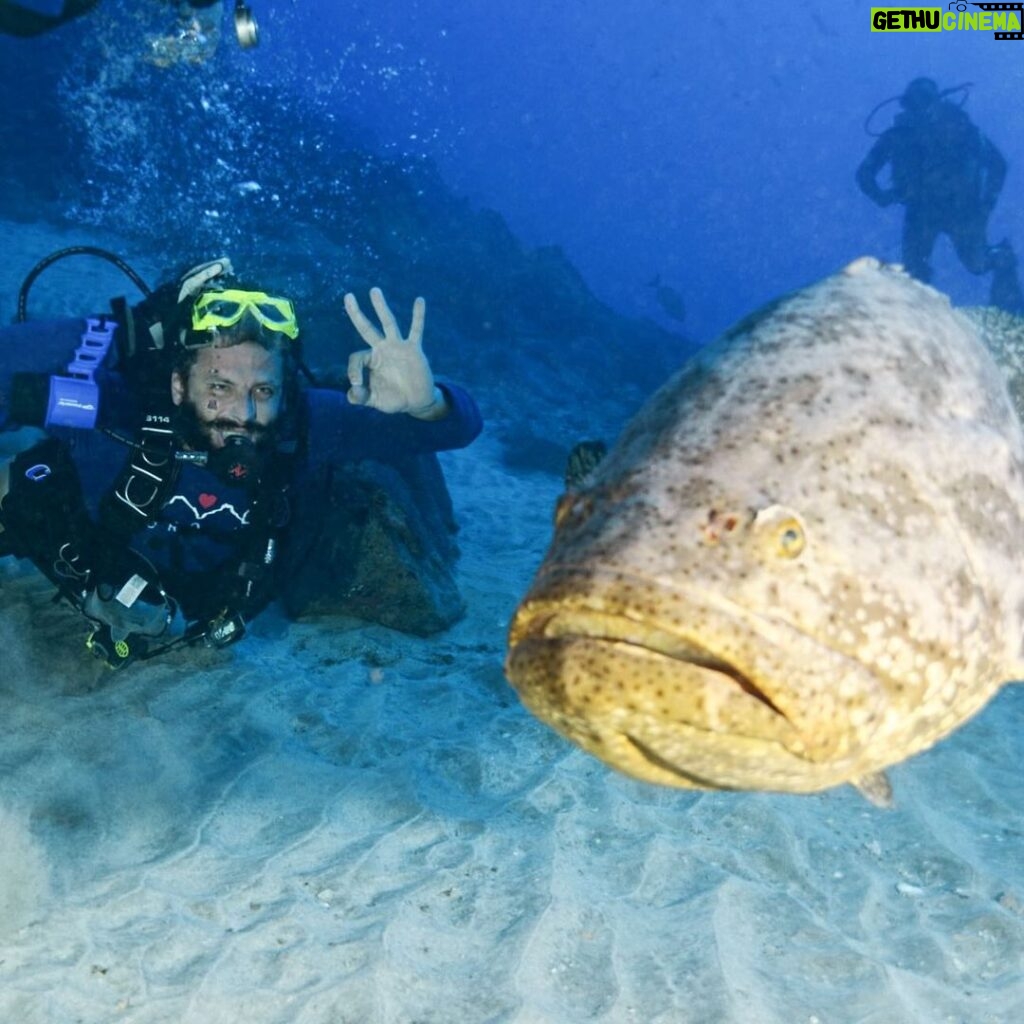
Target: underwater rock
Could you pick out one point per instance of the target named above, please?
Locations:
(800, 562)
(517, 326)
(381, 548)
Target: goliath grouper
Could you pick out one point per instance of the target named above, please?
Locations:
(802, 561)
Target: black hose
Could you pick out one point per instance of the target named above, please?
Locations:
(964, 87)
(867, 120)
(75, 250)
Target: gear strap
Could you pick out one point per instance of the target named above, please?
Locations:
(145, 482)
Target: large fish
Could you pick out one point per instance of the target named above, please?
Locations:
(802, 561)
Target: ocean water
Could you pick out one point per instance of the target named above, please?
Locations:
(336, 822)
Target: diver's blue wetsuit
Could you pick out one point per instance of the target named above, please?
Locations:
(200, 527)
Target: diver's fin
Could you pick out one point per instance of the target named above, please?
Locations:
(876, 789)
(1005, 291)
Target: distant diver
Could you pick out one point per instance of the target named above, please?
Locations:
(948, 176)
(28, 18)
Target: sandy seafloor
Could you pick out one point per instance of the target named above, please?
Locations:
(333, 822)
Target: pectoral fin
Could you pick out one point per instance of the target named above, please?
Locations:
(876, 789)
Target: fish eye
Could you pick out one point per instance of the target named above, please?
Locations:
(782, 532)
(791, 540)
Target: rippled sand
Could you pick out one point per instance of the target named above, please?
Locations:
(336, 824)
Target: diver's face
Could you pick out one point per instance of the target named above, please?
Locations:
(232, 391)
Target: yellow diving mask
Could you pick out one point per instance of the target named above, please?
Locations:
(224, 309)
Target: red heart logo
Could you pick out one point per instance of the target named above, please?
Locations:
(207, 500)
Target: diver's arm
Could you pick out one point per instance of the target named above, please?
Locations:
(872, 164)
(340, 431)
(388, 379)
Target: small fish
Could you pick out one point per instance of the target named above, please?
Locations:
(801, 563)
(669, 299)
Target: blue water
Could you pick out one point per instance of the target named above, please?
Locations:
(332, 822)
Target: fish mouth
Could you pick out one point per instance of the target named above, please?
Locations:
(689, 690)
(658, 706)
(700, 658)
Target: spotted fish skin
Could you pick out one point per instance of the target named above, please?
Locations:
(800, 563)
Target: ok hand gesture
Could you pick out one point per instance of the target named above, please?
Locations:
(393, 375)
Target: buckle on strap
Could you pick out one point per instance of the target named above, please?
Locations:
(75, 399)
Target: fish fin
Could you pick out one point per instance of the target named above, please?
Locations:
(876, 789)
(1013, 669)
(1003, 336)
(583, 460)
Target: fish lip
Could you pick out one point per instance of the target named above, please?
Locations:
(652, 757)
(657, 640)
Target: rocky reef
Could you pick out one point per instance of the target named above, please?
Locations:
(304, 203)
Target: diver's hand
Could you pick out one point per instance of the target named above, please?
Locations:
(393, 375)
(166, 312)
(192, 282)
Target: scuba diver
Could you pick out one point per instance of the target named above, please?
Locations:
(33, 17)
(179, 448)
(948, 176)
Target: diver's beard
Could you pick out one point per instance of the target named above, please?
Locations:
(198, 435)
(242, 459)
